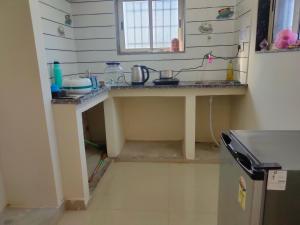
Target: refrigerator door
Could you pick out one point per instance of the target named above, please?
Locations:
(282, 207)
(240, 196)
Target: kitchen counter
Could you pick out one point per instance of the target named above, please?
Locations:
(183, 89)
(213, 86)
(184, 84)
(80, 99)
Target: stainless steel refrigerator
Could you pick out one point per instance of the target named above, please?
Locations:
(259, 178)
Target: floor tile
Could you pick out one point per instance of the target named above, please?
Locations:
(134, 186)
(193, 188)
(152, 194)
(114, 217)
(186, 218)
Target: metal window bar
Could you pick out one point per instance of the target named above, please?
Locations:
(170, 29)
(151, 23)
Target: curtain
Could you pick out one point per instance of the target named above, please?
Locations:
(284, 15)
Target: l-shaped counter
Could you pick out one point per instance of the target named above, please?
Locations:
(69, 127)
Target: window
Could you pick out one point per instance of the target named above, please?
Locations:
(150, 26)
(286, 16)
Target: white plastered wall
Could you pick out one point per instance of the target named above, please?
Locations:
(272, 101)
(29, 161)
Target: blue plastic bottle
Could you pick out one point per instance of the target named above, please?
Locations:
(57, 74)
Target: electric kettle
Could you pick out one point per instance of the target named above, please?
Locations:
(139, 75)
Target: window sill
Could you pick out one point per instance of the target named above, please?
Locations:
(278, 50)
(149, 53)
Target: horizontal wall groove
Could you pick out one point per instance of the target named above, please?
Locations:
(212, 20)
(58, 36)
(88, 50)
(94, 26)
(80, 39)
(211, 7)
(216, 33)
(152, 60)
(219, 33)
(53, 7)
(53, 21)
(94, 38)
(90, 1)
(78, 27)
(211, 46)
(109, 50)
(93, 14)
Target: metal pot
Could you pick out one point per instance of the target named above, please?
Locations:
(166, 74)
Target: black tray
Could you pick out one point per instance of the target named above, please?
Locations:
(166, 81)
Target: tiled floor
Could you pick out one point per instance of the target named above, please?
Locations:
(166, 151)
(152, 194)
(11, 216)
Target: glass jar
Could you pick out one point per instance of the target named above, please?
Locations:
(114, 72)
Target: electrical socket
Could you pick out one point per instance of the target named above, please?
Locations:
(241, 47)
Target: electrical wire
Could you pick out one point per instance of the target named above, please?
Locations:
(192, 68)
(206, 56)
(122, 77)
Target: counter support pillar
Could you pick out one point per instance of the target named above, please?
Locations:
(190, 127)
(113, 125)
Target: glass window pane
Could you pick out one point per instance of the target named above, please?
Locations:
(136, 24)
(283, 16)
(165, 22)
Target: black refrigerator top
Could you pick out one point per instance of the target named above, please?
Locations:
(272, 147)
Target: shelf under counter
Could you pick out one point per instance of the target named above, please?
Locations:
(166, 151)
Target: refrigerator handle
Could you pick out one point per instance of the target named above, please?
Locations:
(244, 162)
(227, 142)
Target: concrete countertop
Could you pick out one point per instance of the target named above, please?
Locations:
(79, 99)
(184, 84)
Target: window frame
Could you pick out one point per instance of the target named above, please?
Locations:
(121, 32)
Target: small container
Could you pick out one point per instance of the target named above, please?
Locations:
(95, 84)
(166, 74)
(114, 72)
(57, 74)
(78, 85)
(175, 45)
(94, 81)
(230, 73)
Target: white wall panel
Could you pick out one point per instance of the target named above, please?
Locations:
(93, 7)
(95, 43)
(243, 25)
(58, 48)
